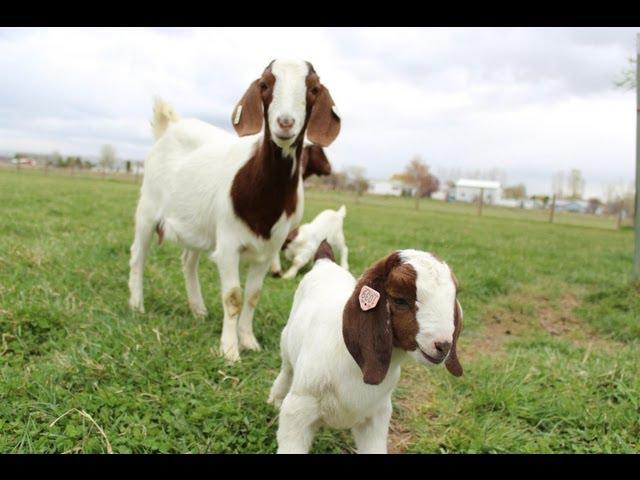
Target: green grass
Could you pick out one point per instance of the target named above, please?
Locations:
(154, 382)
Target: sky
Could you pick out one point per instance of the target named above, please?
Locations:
(528, 101)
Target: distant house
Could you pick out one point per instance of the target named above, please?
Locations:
(526, 203)
(390, 187)
(468, 190)
(30, 162)
(440, 195)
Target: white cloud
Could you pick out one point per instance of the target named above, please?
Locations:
(528, 100)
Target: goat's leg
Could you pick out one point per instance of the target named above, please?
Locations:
(371, 435)
(282, 383)
(255, 278)
(299, 261)
(276, 268)
(228, 261)
(143, 235)
(298, 422)
(190, 271)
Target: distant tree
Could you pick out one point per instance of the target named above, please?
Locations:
(593, 204)
(107, 157)
(515, 191)
(627, 78)
(542, 198)
(557, 184)
(54, 158)
(336, 181)
(575, 184)
(399, 177)
(356, 179)
(417, 175)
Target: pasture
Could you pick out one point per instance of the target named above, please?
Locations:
(550, 343)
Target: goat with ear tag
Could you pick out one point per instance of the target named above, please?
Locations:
(346, 339)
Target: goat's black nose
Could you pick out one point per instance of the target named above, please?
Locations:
(443, 347)
(285, 121)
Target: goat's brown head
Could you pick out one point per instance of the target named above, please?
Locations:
(407, 300)
(314, 162)
(290, 100)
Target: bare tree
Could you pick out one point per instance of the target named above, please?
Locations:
(627, 78)
(575, 184)
(355, 179)
(557, 184)
(515, 191)
(107, 157)
(593, 204)
(417, 175)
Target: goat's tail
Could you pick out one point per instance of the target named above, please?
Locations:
(163, 115)
(342, 211)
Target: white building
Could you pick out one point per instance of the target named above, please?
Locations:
(390, 187)
(468, 190)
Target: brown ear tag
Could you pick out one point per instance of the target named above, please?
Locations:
(368, 298)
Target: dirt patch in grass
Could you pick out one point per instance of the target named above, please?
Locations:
(538, 308)
(523, 313)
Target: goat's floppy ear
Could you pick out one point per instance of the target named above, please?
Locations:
(314, 162)
(366, 324)
(452, 363)
(324, 121)
(247, 117)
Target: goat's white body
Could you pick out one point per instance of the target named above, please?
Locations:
(320, 381)
(187, 182)
(327, 225)
(186, 189)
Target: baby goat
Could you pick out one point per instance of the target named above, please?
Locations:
(301, 243)
(345, 340)
(213, 192)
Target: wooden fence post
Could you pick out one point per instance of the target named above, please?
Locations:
(480, 202)
(619, 222)
(553, 208)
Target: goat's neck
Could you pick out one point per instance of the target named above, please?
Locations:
(274, 163)
(267, 186)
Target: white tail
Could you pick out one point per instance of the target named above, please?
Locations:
(342, 211)
(163, 115)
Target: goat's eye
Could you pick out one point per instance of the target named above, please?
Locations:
(315, 90)
(401, 302)
(263, 86)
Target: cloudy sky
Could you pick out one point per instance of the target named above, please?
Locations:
(530, 101)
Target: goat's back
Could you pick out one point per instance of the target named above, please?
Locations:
(326, 225)
(315, 321)
(192, 151)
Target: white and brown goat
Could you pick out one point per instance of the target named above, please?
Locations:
(345, 341)
(232, 196)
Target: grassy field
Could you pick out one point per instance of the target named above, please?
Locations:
(550, 346)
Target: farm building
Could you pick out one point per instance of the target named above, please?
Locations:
(468, 190)
(390, 187)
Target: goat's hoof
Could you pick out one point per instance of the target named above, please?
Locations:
(275, 400)
(231, 353)
(136, 306)
(198, 311)
(249, 342)
(276, 274)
